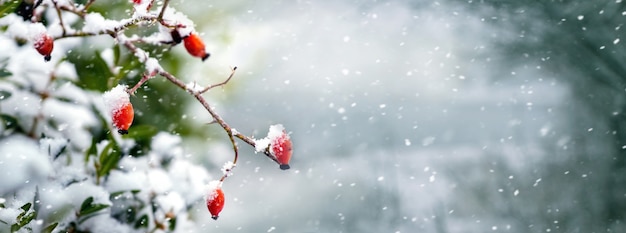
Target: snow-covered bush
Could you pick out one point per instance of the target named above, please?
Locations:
(72, 157)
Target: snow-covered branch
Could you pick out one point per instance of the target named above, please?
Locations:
(91, 167)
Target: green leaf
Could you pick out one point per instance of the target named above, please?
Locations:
(15, 227)
(5, 95)
(8, 7)
(26, 207)
(22, 220)
(108, 159)
(88, 207)
(26, 219)
(142, 222)
(5, 73)
(172, 224)
(114, 195)
(93, 149)
(50, 228)
(142, 132)
(126, 63)
(86, 204)
(94, 208)
(116, 54)
(9, 121)
(94, 71)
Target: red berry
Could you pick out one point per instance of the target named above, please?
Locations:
(44, 45)
(195, 46)
(123, 118)
(137, 1)
(215, 201)
(118, 103)
(281, 148)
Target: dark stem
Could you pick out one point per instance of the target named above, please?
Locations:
(165, 3)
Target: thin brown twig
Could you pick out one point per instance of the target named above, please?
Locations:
(144, 78)
(56, 7)
(165, 3)
(217, 119)
(78, 34)
(86, 7)
(112, 32)
(232, 73)
(74, 10)
(252, 143)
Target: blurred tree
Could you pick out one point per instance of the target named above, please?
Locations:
(581, 44)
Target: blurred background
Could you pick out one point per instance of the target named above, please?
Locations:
(413, 116)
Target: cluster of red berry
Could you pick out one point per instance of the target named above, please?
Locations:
(277, 144)
(194, 45)
(121, 110)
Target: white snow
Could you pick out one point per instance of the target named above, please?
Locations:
(21, 29)
(194, 87)
(66, 70)
(77, 193)
(52, 146)
(152, 66)
(159, 181)
(189, 179)
(95, 23)
(228, 168)
(21, 163)
(105, 223)
(126, 181)
(171, 202)
(211, 193)
(9, 215)
(165, 146)
(70, 126)
(274, 132)
(54, 202)
(173, 17)
(115, 98)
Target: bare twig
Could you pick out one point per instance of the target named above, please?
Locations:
(165, 3)
(232, 72)
(74, 10)
(56, 7)
(125, 25)
(217, 118)
(86, 7)
(251, 142)
(144, 78)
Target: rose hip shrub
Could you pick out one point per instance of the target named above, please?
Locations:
(88, 142)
